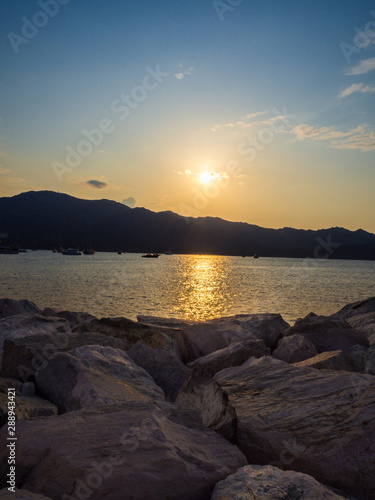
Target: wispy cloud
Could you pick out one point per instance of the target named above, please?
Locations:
(184, 172)
(181, 74)
(357, 87)
(3, 170)
(97, 184)
(360, 138)
(363, 67)
(244, 122)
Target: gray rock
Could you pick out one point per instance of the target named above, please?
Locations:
(138, 450)
(328, 333)
(357, 354)
(11, 307)
(201, 393)
(255, 482)
(318, 422)
(330, 360)
(294, 349)
(24, 356)
(75, 318)
(131, 332)
(357, 308)
(27, 406)
(370, 360)
(21, 495)
(209, 336)
(166, 370)
(364, 323)
(23, 325)
(93, 376)
(234, 355)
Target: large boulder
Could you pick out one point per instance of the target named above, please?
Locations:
(234, 355)
(256, 482)
(24, 356)
(138, 450)
(23, 325)
(94, 375)
(201, 393)
(131, 332)
(75, 318)
(294, 349)
(330, 360)
(364, 323)
(166, 370)
(11, 307)
(327, 333)
(209, 336)
(27, 404)
(318, 422)
(357, 308)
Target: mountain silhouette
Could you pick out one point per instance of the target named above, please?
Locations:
(46, 219)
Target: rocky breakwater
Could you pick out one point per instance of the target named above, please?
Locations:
(243, 407)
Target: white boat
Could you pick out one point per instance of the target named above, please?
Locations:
(71, 251)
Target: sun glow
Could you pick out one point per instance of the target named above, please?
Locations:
(206, 177)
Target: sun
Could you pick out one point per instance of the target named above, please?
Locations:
(206, 177)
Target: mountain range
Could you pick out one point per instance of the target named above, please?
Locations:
(46, 219)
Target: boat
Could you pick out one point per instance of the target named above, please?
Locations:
(8, 250)
(255, 256)
(168, 252)
(71, 251)
(119, 252)
(151, 256)
(89, 251)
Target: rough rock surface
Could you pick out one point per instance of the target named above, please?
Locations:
(131, 332)
(93, 376)
(255, 482)
(24, 356)
(21, 495)
(11, 307)
(137, 450)
(318, 422)
(23, 325)
(75, 318)
(328, 333)
(166, 370)
(234, 355)
(294, 349)
(330, 360)
(209, 336)
(200, 392)
(26, 406)
(370, 360)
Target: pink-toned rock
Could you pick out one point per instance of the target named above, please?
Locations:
(11, 307)
(321, 423)
(294, 349)
(138, 450)
(256, 482)
(330, 360)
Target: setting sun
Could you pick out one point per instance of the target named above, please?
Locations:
(206, 177)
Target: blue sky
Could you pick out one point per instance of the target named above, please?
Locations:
(283, 91)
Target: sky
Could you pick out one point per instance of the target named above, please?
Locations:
(260, 112)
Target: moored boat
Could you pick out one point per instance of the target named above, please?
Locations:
(71, 251)
(151, 256)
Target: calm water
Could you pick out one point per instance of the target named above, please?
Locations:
(185, 286)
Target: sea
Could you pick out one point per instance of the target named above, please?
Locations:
(195, 287)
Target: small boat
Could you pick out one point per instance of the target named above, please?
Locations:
(119, 252)
(8, 250)
(151, 256)
(255, 256)
(89, 251)
(71, 251)
(168, 252)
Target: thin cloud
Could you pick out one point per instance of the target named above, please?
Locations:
(97, 184)
(3, 170)
(360, 138)
(244, 122)
(182, 74)
(129, 202)
(363, 67)
(357, 87)
(184, 172)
